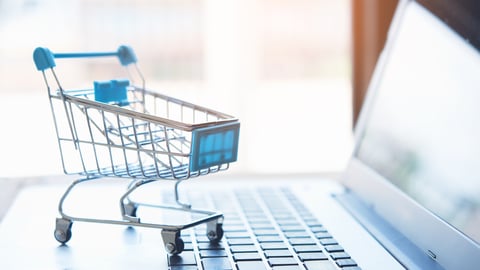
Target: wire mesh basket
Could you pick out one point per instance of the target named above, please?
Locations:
(119, 129)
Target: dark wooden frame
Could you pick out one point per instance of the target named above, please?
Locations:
(370, 22)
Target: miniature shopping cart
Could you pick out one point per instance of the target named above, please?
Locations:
(119, 129)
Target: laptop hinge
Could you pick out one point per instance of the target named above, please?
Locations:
(401, 248)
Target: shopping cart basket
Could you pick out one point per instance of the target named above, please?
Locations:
(119, 129)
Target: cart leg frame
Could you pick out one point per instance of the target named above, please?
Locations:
(171, 234)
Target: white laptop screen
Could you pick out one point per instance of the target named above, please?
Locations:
(423, 130)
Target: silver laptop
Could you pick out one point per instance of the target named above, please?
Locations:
(409, 198)
(413, 181)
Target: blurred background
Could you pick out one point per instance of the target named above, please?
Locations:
(284, 67)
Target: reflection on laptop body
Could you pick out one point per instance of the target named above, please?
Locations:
(413, 181)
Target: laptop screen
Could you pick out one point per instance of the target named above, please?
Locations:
(423, 128)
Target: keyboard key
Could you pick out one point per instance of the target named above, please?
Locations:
(185, 258)
(318, 228)
(307, 248)
(297, 234)
(312, 256)
(188, 247)
(301, 241)
(328, 241)
(268, 238)
(209, 253)
(339, 255)
(267, 246)
(288, 222)
(346, 262)
(320, 265)
(217, 263)
(278, 253)
(203, 246)
(251, 265)
(334, 248)
(247, 256)
(262, 226)
(282, 261)
(284, 216)
(323, 235)
(243, 248)
(240, 241)
(351, 268)
(313, 223)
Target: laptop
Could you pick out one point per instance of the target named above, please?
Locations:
(412, 182)
(408, 199)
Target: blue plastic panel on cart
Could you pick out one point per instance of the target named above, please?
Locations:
(212, 146)
(113, 91)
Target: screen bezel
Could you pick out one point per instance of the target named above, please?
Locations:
(453, 250)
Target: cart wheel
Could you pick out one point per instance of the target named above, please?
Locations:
(63, 230)
(63, 236)
(215, 235)
(175, 248)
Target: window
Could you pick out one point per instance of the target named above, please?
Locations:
(282, 67)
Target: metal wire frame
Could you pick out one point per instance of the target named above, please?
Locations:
(153, 143)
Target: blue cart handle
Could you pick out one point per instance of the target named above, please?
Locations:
(44, 58)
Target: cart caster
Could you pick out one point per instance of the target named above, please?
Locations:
(130, 212)
(63, 230)
(173, 242)
(214, 232)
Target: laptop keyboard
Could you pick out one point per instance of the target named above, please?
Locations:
(263, 229)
